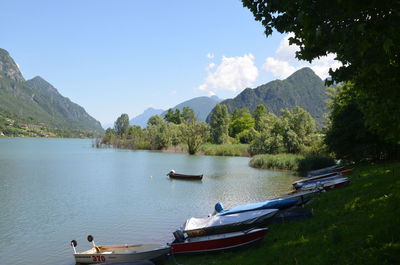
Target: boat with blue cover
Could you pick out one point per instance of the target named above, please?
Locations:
(281, 203)
(299, 184)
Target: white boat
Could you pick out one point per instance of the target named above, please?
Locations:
(119, 253)
(216, 224)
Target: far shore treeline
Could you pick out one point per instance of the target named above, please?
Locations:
(288, 141)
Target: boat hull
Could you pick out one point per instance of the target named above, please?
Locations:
(218, 242)
(183, 176)
(110, 258)
(328, 185)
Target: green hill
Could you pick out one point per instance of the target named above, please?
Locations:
(303, 88)
(35, 108)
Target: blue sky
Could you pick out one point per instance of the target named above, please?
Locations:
(114, 57)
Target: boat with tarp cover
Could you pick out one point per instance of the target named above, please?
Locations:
(216, 224)
(280, 203)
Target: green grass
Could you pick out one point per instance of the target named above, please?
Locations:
(225, 149)
(279, 161)
(358, 224)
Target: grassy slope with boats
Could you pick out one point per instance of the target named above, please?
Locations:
(358, 224)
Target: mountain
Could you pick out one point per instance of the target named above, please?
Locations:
(303, 88)
(142, 119)
(37, 104)
(202, 106)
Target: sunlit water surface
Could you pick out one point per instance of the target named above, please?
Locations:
(56, 190)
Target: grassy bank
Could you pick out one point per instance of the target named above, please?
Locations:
(358, 224)
(292, 162)
(225, 149)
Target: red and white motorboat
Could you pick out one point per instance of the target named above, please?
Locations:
(217, 242)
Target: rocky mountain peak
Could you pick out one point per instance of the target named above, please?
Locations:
(8, 68)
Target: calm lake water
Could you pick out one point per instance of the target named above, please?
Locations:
(56, 190)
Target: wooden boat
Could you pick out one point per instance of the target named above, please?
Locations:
(327, 185)
(227, 223)
(174, 175)
(217, 242)
(280, 203)
(119, 253)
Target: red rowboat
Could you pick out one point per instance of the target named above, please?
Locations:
(218, 242)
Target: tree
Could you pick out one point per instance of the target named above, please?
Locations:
(173, 116)
(363, 35)
(296, 127)
(121, 124)
(155, 120)
(347, 136)
(194, 134)
(188, 115)
(241, 121)
(259, 115)
(219, 122)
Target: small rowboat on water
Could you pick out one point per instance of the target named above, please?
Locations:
(217, 242)
(174, 175)
(119, 253)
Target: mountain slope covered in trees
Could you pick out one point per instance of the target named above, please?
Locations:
(36, 108)
(303, 88)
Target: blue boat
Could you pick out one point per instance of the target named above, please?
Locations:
(270, 204)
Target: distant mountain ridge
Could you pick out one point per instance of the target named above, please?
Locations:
(141, 119)
(202, 106)
(37, 102)
(303, 88)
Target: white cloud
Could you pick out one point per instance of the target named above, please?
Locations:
(172, 92)
(211, 66)
(211, 93)
(285, 63)
(233, 74)
(210, 55)
(280, 69)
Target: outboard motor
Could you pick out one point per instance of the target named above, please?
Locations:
(171, 172)
(219, 207)
(179, 236)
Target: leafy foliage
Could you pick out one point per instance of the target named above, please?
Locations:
(121, 124)
(219, 124)
(364, 37)
(348, 136)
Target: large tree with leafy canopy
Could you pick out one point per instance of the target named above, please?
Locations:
(364, 36)
(121, 124)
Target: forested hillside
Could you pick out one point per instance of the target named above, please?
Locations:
(36, 108)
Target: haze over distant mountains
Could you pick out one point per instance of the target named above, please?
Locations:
(37, 102)
(303, 88)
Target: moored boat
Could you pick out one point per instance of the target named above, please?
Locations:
(327, 185)
(280, 203)
(119, 253)
(227, 223)
(323, 171)
(298, 184)
(302, 196)
(174, 175)
(217, 242)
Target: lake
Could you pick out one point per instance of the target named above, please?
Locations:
(56, 190)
